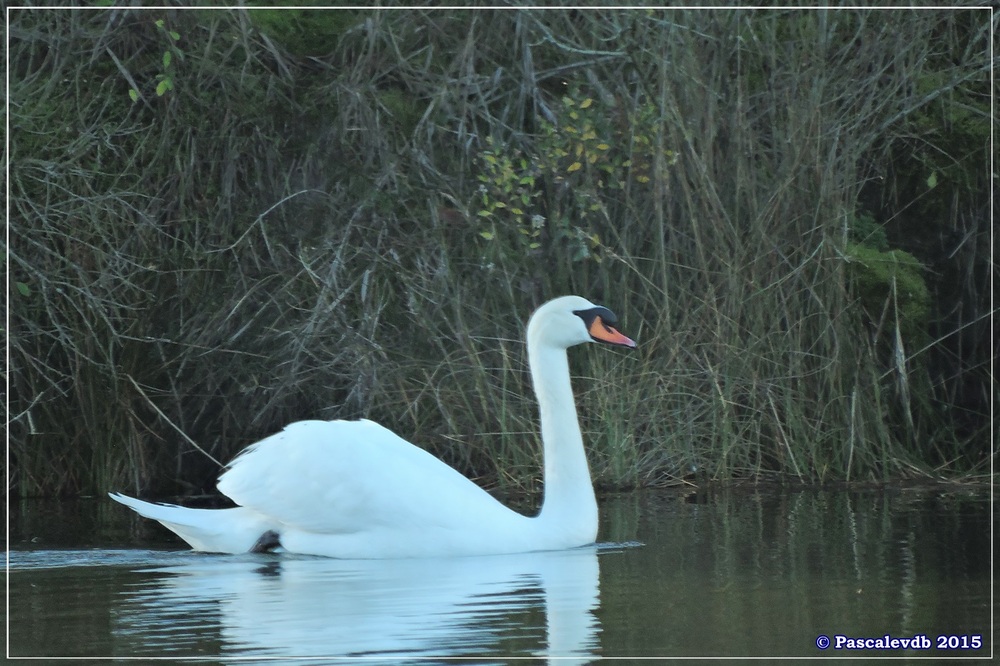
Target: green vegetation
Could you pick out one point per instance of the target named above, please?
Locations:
(224, 221)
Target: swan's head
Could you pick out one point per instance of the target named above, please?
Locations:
(572, 320)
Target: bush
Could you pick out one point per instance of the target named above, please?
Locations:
(286, 231)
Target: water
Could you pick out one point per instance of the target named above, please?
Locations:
(732, 573)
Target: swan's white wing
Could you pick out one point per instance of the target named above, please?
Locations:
(343, 477)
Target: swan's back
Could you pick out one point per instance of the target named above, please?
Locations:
(350, 477)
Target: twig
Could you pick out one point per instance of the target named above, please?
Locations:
(261, 217)
(171, 423)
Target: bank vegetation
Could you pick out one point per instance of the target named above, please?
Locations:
(224, 221)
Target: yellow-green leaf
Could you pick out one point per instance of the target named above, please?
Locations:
(488, 235)
(585, 103)
(575, 166)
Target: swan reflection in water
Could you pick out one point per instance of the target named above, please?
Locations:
(533, 604)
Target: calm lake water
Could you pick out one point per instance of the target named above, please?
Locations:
(726, 573)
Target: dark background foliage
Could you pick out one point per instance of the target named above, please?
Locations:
(223, 221)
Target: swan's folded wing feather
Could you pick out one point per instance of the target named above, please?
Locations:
(341, 477)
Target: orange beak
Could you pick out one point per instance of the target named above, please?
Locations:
(604, 333)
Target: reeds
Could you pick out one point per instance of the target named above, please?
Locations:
(279, 237)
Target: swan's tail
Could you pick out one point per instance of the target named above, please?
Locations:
(237, 530)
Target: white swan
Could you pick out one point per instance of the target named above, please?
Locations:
(353, 489)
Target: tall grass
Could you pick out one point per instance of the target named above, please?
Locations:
(363, 230)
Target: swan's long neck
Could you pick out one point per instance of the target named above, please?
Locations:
(569, 500)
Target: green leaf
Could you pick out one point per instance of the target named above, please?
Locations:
(488, 235)
(174, 35)
(133, 94)
(163, 86)
(166, 59)
(932, 181)
(22, 289)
